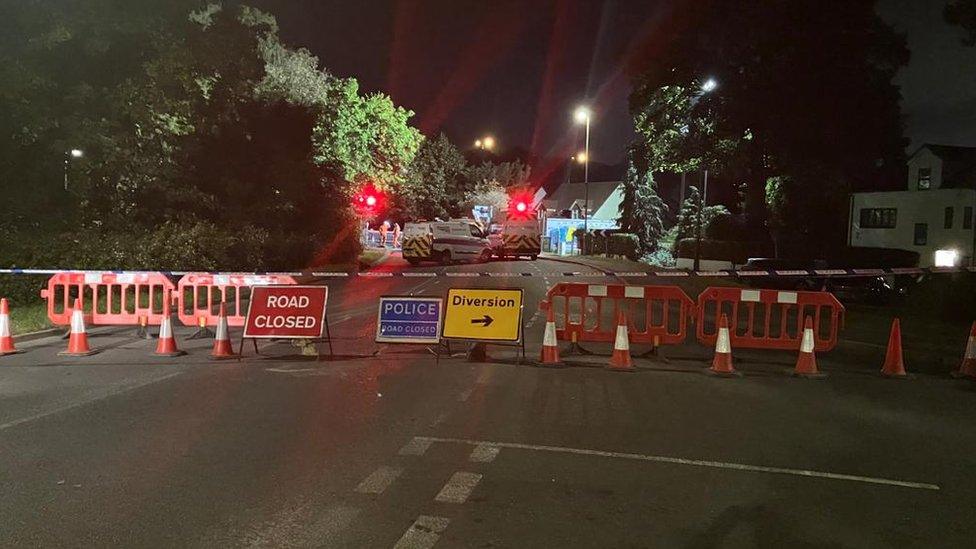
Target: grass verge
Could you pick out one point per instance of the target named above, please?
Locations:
(29, 318)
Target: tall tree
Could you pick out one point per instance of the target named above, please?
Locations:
(801, 88)
(642, 211)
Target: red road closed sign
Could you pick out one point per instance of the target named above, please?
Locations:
(286, 312)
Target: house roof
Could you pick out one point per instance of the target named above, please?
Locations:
(950, 153)
(568, 193)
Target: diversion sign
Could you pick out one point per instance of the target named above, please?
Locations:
(293, 312)
(483, 315)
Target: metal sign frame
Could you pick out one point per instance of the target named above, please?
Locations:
(440, 320)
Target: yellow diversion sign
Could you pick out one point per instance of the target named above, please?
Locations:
(485, 315)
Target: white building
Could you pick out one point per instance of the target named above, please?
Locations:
(934, 217)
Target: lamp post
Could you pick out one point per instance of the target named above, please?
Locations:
(486, 143)
(68, 155)
(582, 116)
(707, 87)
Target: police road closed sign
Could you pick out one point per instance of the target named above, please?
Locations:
(482, 314)
(409, 320)
(286, 311)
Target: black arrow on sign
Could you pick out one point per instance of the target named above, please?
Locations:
(486, 321)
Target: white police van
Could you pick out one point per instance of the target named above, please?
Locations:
(445, 241)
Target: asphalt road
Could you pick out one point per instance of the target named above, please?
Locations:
(386, 447)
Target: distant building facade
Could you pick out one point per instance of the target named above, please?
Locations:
(563, 212)
(933, 217)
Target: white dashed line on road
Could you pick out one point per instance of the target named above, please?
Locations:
(484, 453)
(423, 533)
(416, 447)
(458, 488)
(379, 480)
(695, 463)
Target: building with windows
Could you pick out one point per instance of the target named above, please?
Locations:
(933, 217)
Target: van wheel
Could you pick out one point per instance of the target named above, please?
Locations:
(413, 261)
(485, 256)
(533, 257)
(446, 257)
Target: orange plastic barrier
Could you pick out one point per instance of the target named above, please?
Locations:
(200, 294)
(656, 315)
(107, 298)
(769, 319)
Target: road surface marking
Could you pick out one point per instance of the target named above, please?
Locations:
(484, 453)
(458, 488)
(463, 397)
(696, 463)
(112, 393)
(299, 528)
(379, 480)
(416, 447)
(423, 533)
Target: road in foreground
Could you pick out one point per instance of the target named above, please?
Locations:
(397, 449)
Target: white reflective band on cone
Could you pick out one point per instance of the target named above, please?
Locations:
(77, 323)
(722, 343)
(4, 326)
(621, 342)
(222, 329)
(549, 339)
(806, 346)
(970, 347)
(165, 330)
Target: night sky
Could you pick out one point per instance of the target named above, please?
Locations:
(516, 70)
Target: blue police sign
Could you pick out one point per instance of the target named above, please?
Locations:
(409, 320)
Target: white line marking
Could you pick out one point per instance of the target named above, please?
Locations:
(65, 408)
(423, 533)
(696, 463)
(458, 488)
(463, 397)
(379, 480)
(484, 453)
(416, 447)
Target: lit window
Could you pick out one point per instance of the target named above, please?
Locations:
(924, 178)
(946, 258)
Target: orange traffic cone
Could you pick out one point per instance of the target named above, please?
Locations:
(550, 346)
(968, 366)
(894, 365)
(78, 337)
(166, 345)
(722, 363)
(6, 340)
(806, 362)
(620, 359)
(222, 348)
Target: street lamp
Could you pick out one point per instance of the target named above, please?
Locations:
(486, 143)
(73, 153)
(708, 86)
(582, 116)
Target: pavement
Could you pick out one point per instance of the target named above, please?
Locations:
(383, 446)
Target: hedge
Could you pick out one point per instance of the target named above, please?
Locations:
(724, 250)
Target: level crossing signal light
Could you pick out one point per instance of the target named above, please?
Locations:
(368, 201)
(520, 206)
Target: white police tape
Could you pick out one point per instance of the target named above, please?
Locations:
(792, 273)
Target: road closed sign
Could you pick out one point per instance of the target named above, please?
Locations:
(409, 320)
(296, 312)
(484, 315)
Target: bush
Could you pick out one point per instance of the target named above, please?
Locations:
(625, 244)
(725, 250)
(662, 257)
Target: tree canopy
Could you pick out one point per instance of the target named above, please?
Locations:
(800, 88)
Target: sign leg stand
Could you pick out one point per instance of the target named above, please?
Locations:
(328, 334)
